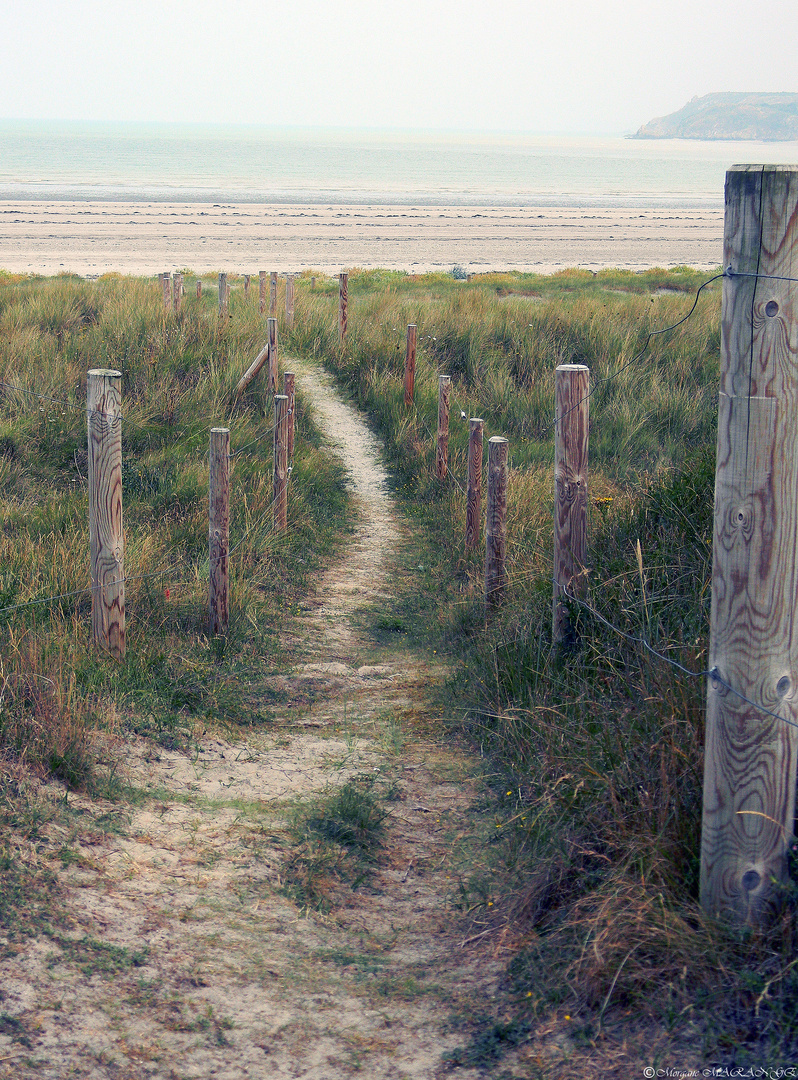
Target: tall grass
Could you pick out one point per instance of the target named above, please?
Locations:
(178, 376)
(597, 750)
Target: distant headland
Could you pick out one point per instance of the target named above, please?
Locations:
(766, 117)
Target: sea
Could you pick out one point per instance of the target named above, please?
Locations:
(154, 162)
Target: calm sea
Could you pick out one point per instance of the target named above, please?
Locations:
(213, 163)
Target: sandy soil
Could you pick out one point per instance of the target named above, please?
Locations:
(232, 977)
(148, 238)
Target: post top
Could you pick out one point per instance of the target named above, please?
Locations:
(477, 420)
(497, 439)
(105, 373)
(572, 367)
(763, 168)
(220, 431)
(281, 397)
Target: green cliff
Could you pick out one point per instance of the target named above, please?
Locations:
(769, 117)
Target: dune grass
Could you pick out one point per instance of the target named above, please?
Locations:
(596, 751)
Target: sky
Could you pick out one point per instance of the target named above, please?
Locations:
(539, 66)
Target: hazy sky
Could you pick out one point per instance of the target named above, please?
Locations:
(602, 66)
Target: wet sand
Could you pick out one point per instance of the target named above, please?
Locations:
(147, 238)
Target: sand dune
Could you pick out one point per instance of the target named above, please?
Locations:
(146, 238)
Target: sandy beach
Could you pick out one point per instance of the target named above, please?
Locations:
(91, 238)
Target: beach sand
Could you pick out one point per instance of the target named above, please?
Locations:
(146, 238)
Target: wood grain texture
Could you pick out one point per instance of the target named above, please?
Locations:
(166, 290)
(410, 364)
(271, 325)
(289, 301)
(177, 292)
(273, 294)
(247, 279)
(750, 757)
(343, 306)
(571, 389)
(280, 462)
(223, 295)
(289, 385)
(199, 288)
(442, 448)
(474, 492)
(106, 536)
(262, 291)
(496, 521)
(219, 531)
(261, 359)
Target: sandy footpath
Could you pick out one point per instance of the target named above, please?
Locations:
(147, 238)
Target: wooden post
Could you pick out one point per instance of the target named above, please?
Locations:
(177, 292)
(280, 461)
(442, 453)
(343, 303)
(262, 290)
(750, 757)
(251, 371)
(273, 294)
(410, 364)
(312, 284)
(199, 288)
(474, 493)
(571, 411)
(106, 537)
(223, 305)
(166, 286)
(246, 286)
(272, 329)
(496, 522)
(289, 382)
(219, 531)
(289, 301)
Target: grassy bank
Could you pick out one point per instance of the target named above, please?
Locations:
(597, 751)
(178, 374)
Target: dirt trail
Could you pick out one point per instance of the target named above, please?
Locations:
(185, 957)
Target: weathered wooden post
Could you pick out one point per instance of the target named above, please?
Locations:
(219, 530)
(247, 278)
(262, 290)
(289, 383)
(750, 757)
(571, 411)
(289, 301)
(106, 537)
(199, 288)
(442, 452)
(312, 284)
(166, 286)
(272, 339)
(223, 306)
(496, 522)
(273, 294)
(280, 461)
(251, 371)
(177, 292)
(474, 490)
(343, 303)
(410, 364)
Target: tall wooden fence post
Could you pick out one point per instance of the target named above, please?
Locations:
(571, 411)
(280, 461)
(166, 288)
(474, 492)
(343, 303)
(223, 294)
(289, 383)
(106, 536)
(496, 522)
(219, 530)
(273, 294)
(289, 301)
(750, 756)
(199, 288)
(177, 292)
(247, 279)
(262, 290)
(442, 452)
(272, 329)
(410, 364)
